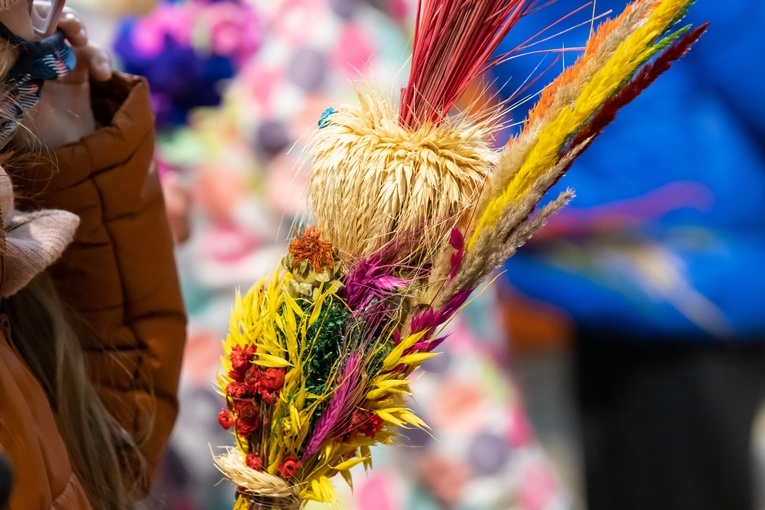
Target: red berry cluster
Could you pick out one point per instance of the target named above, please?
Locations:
(245, 418)
(363, 422)
(249, 380)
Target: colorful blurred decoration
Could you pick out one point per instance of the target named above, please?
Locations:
(414, 211)
(187, 49)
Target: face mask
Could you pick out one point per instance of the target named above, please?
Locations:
(49, 59)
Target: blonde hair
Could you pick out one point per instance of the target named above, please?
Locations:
(102, 453)
(104, 456)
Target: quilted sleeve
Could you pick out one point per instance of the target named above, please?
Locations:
(119, 275)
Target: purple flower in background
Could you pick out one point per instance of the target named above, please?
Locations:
(235, 30)
(186, 50)
(167, 20)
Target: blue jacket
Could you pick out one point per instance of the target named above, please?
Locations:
(666, 236)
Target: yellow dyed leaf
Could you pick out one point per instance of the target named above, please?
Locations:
(348, 464)
(392, 360)
(295, 417)
(410, 341)
(293, 376)
(300, 399)
(375, 394)
(416, 358)
(315, 313)
(396, 410)
(386, 416)
(307, 494)
(413, 419)
(391, 383)
(388, 386)
(316, 489)
(290, 320)
(328, 491)
(348, 477)
(293, 306)
(268, 360)
(367, 454)
(273, 467)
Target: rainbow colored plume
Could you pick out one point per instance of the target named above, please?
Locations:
(414, 210)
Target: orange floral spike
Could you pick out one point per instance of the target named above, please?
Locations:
(309, 246)
(569, 74)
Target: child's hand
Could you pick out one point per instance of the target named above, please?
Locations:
(93, 61)
(64, 112)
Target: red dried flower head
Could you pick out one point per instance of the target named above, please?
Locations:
(235, 376)
(226, 419)
(371, 426)
(252, 379)
(236, 390)
(272, 379)
(245, 430)
(254, 461)
(309, 246)
(363, 422)
(357, 420)
(246, 409)
(289, 466)
(267, 396)
(247, 418)
(241, 360)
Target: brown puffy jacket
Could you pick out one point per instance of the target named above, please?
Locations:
(120, 275)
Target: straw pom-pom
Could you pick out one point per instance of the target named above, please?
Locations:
(371, 178)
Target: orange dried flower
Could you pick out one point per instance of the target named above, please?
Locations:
(309, 246)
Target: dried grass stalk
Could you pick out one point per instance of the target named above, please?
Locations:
(258, 484)
(498, 244)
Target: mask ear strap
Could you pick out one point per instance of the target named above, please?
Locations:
(35, 48)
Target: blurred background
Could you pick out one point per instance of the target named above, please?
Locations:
(619, 360)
